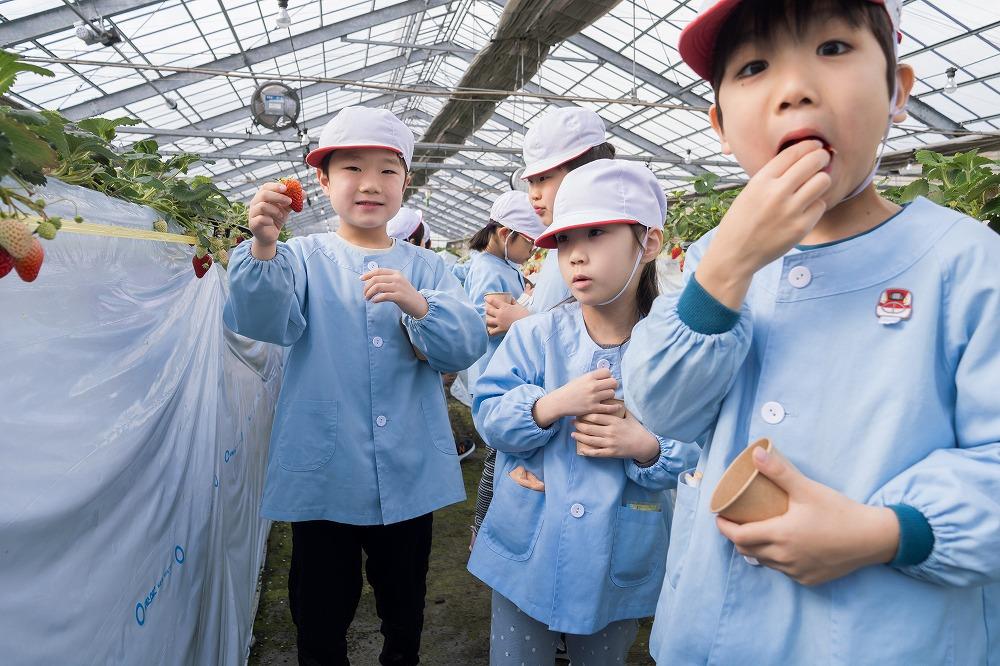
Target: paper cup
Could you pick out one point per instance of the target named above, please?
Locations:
(620, 413)
(495, 298)
(744, 495)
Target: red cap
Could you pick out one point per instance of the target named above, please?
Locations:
(697, 41)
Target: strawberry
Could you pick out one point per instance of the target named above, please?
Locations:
(222, 257)
(293, 190)
(675, 252)
(15, 237)
(6, 262)
(29, 265)
(201, 264)
(161, 226)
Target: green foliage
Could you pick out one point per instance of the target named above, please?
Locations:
(966, 182)
(35, 144)
(689, 217)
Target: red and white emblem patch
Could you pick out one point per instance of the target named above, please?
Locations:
(894, 306)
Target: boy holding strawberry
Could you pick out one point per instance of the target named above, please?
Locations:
(362, 449)
(860, 337)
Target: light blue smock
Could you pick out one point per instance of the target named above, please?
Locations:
(361, 432)
(550, 288)
(489, 273)
(576, 556)
(460, 270)
(905, 413)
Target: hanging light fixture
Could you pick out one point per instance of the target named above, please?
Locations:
(283, 20)
(950, 86)
(687, 157)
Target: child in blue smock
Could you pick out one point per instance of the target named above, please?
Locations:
(502, 246)
(861, 338)
(559, 142)
(354, 466)
(576, 536)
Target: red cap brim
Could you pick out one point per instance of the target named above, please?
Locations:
(697, 40)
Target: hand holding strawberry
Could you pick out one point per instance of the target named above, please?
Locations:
(267, 213)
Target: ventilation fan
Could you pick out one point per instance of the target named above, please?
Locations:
(516, 183)
(275, 106)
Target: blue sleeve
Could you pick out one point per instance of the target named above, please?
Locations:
(451, 335)
(957, 488)
(478, 283)
(675, 457)
(267, 298)
(675, 376)
(508, 389)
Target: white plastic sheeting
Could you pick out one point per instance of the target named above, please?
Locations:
(133, 439)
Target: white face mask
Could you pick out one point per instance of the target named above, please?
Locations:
(635, 267)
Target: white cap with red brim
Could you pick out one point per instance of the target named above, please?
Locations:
(606, 192)
(357, 127)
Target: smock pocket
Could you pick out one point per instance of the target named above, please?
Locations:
(438, 426)
(514, 519)
(307, 434)
(680, 529)
(639, 546)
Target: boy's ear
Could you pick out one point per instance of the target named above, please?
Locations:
(905, 77)
(324, 180)
(713, 117)
(407, 180)
(654, 243)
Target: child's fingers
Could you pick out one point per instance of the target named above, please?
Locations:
(747, 535)
(378, 271)
(589, 429)
(805, 168)
(781, 162)
(600, 373)
(811, 190)
(600, 419)
(274, 197)
(267, 210)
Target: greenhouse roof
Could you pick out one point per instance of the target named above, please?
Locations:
(187, 69)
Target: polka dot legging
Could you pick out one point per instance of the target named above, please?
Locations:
(519, 640)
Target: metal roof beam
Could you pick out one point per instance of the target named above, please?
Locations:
(252, 56)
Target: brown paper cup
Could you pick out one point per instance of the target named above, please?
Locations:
(620, 413)
(744, 495)
(495, 298)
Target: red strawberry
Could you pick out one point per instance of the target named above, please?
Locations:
(293, 190)
(676, 252)
(201, 264)
(29, 265)
(6, 262)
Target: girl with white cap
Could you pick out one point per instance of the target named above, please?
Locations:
(351, 466)
(407, 225)
(576, 537)
(505, 243)
(561, 141)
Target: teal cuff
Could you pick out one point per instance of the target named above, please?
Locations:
(702, 312)
(916, 539)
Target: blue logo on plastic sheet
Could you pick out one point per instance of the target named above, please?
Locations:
(143, 606)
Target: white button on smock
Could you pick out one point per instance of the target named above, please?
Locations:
(772, 412)
(800, 277)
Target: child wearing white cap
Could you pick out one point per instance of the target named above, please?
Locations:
(559, 142)
(407, 225)
(506, 242)
(576, 536)
(354, 468)
(861, 338)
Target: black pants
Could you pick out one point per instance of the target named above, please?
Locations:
(324, 586)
